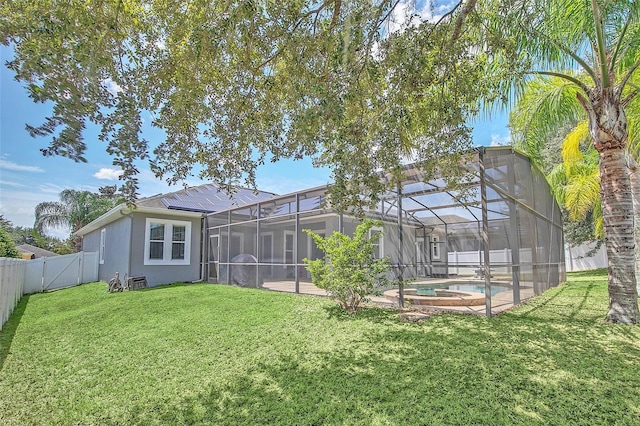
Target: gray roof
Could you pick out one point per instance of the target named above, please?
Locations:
(205, 198)
(37, 251)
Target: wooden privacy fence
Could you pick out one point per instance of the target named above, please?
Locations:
(19, 277)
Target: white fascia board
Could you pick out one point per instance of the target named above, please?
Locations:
(123, 210)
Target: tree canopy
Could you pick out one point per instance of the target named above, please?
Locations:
(357, 86)
(75, 209)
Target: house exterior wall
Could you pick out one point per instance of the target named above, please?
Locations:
(117, 248)
(164, 274)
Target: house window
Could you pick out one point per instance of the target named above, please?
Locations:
(312, 249)
(167, 242)
(103, 237)
(378, 251)
(288, 248)
(435, 248)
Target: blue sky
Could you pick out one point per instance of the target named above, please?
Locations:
(27, 178)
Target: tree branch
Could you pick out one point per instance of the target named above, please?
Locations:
(566, 50)
(567, 77)
(600, 43)
(618, 46)
(629, 98)
(457, 28)
(291, 32)
(627, 76)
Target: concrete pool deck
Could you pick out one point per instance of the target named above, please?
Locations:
(500, 302)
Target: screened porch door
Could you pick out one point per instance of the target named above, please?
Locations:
(214, 258)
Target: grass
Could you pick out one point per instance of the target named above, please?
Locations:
(208, 354)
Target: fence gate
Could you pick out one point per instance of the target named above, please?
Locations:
(51, 273)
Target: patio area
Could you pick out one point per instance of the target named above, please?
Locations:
(500, 302)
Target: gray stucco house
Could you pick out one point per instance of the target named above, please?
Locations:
(161, 237)
(498, 232)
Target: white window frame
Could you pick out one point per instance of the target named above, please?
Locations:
(103, 242)
(420, 255)
(379, 243)
(284, 248)
(240, 236)
(435, 247)
(272, 235)
(167, 243)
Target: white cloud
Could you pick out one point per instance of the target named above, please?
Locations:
(8, 165)
(19, 206)
(409, 13)
(440, 9)
(500, 140)
(108, 174)
(113, 87)
(14, 184)
(50, 188)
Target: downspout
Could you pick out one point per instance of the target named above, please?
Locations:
(130, 216)
(203, 245)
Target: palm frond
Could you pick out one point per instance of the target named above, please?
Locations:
(51, 214)
(557, 180)
(571, 153)
(582, 190)
(547, 104)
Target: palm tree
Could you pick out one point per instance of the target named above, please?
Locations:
(600, 39)
(74, 210)
(576, 179)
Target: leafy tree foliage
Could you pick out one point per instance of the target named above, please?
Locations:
(31, 236)
(7, 246)
(357, 86)
(349, 272)
(74, 210)
(21, 235)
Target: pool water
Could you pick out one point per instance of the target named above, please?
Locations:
(429, 289)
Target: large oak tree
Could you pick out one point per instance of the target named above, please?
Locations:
(356, 85)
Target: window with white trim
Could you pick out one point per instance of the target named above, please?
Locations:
(167, 242)
(288, 248)
(435, 247)
(103, 238)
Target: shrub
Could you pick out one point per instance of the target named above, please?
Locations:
(7, 246)
(349, 272)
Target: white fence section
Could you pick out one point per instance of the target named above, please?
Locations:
(51, 273)
(469, 262)
(12, 272)
(576, 258)
(19, 277)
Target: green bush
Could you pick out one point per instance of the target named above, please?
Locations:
(349, 272)
(7, 246)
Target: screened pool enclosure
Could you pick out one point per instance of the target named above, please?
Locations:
(501, 234)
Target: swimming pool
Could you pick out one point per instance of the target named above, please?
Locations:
(475, 287)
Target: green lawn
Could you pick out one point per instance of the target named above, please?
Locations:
(208, 354)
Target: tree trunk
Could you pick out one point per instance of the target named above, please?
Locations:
(608, 128)
(634, 176)
(617, 215)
